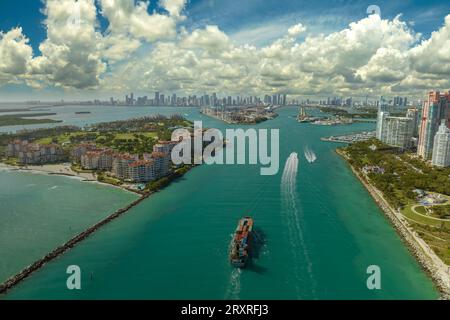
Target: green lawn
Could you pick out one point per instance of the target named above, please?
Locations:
(408, 212)
(421, 210)
(131, 136)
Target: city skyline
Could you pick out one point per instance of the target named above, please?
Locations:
(162, 99)
(191, 48)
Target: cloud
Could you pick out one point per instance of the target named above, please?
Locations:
(15, 56)
(174, 7)
(71, 56)
(126, 17)
(210, 38)
(370, 56)
(149, 51)
(296, 30)
(433, 55)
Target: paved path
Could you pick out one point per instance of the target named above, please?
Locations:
(413, 208)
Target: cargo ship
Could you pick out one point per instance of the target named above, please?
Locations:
(240, 245)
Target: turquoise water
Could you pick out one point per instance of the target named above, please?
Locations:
(40, 212)
(174, 245)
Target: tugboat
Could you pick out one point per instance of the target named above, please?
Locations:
(240, 245)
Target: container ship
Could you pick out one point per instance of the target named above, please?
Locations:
(240, 245)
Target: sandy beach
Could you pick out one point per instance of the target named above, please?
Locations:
(64, 169)
(435, 267)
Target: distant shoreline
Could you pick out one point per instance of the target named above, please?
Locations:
(430, 262)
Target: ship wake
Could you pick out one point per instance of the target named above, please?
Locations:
(310, 155)
(292, 216)
(234, 288)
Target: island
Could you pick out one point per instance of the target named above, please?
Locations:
(241, 115)
(334, 120)
(131, 154)
(26, 119)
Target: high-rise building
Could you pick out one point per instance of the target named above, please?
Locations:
(434, 110)
(398, 131)
(173, 101)
(441, 147)
(414, 114)
(382, 114)
(275, 99)
(156, 101)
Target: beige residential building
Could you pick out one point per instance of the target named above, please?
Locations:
(81, 150)
(162, 163)
(165, 147)
(33, 153)
(142, 171)
(97, 160)
(121, 163)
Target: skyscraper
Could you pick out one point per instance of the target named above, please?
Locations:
(414, 115)
(441, 148)
(398, 131)
(434, 110)
(382, 114)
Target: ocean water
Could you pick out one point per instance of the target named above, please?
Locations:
(40, 212)
(319, 231)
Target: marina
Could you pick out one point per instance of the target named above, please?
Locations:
(351, 138)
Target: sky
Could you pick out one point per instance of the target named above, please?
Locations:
(64, 49)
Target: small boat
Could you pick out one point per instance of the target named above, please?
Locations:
(240, 245)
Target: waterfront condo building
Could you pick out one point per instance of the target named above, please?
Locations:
(383, 112)
(435, 110)
(34, 153)
(16, 146)
(398, 131)
(441, 147)
(98, 160)
(165, 147)
(121, 163)
(414, 115)
(81, 150)
(142, 171)
(162, 163)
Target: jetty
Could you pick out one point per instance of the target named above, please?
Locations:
(28, 271)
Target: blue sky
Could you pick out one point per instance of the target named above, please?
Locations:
(240, 17)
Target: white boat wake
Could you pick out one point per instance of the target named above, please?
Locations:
(295, 229)
(234, 288)
(310, 155)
